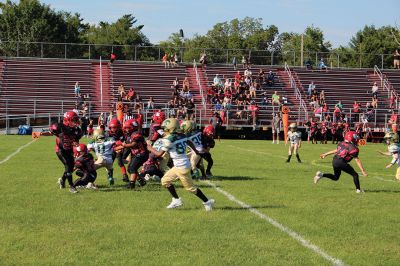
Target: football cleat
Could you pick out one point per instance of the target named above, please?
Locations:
(175, 203)
(61, 183)
(141, 182)
(359, 191)
(91, 185)
(73, 189)
(125, 178)
(317, 177)
(111, 180)
(130, 185)
(208, 205)
(209, 174)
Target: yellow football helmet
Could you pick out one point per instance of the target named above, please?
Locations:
(170, 125)
(293, 126)
(98, 135)
(188, 126)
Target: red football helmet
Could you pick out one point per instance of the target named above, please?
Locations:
(71, 119)
(130, 126)
(208, 130)
(351, 136)
(80, 150)
(114, 125)
(158, 117)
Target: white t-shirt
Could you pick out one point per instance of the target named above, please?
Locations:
(294, 137)
(175, 145)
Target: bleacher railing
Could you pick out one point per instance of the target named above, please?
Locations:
(302, 105)
(385, 84)
(198, 81)
(155, 53)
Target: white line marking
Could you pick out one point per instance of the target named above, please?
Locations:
(304, 242)
(16, 152)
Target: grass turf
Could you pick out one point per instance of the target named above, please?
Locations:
(41, 224)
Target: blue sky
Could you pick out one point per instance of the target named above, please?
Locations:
(338, 19)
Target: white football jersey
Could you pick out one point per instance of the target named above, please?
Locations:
(175, 145)
(104, 149)
(195, 137)
(294, 137)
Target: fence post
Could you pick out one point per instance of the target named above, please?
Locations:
(17, 49)
(272, 58)
(159, 53)
(89, 51)
(65, 51)
(135, 52)
(316, 59)
(49, 120)
(41, 50)
(227, 57)
(34, 107)
(338, 61)
(381, 61)
(62, 106)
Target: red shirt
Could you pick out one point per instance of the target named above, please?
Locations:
(356, 108)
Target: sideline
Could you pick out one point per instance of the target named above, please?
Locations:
(304, 242)
(16, 152)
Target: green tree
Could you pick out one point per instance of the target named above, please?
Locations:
(30, 21)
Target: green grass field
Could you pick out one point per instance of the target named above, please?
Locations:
(41, 224)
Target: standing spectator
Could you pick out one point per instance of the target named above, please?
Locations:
(227, 85)
(190, 109)
(121, 92)
(150, 103)
(356, 111)
(392, 100)
(77, 89)
(311, 88)
(216, 122)
(185, 84)
(109, 117)
(216, 81)
(248, 73)
(130, 96)
(84, 125)
(271, 79)
(165, 60)
(113, 57)
(322, 65)
(308, 64)
(203, 60)
(374, 90)
(396, 59)
(393, 121)
(234, 63)
(174, 60)
(322, 98)
(261, 76)
(276, 128)
(374, 102)
(244, 62)
(275, 98)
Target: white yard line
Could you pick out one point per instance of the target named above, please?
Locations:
(304, 242)
(16, 152)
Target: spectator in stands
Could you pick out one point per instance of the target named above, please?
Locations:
(253, 90)
(396, 59)
(261, 76)
(311, 88)
(234, 63)
(113, 57)
(244, 62)
(327, 118)
(190, 109)
(308, 64)
(150, 103)
(276, 98)
(321, 65)
(337, 113)
(392, 100)
(318, 112)
(227, 85)
(174, 60)
(248, 73)
(185, 84)
(203, 60)
(238, 77)
(356, 111)
(121, 92)
(374, 102)
(322, 98)
(393, 118)
(130, 96)
(314, 96)
(271, 79)
(165, 60)
(374, 89)
(216, 81)
(339, 105)
(77, 89)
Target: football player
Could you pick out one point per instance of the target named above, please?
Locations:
(324, 132)
(67, 135)
(392, 140)
(104, 148)
(175, 144)
(85, 168)
(313, 132)
(294, 137)
(207, 140)
(333, 133)
(188, 128)
(344, 153)
(157, 118)
(136, 143)
(116, 132)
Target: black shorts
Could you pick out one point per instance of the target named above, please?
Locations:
(340, 165)
(136, 162)
(67, 158)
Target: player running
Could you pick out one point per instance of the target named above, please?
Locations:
(85, 168)
(392, 140)
(175, 144)
(345, 152)
(67, 135)
(104, 149)
(116, 132)
(207, 140)
(294, 137)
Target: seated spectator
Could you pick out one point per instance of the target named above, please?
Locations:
(314, 96)
(325, 109)
(175, 84)
(217, 81)
(121, 92)
(374, 90)
(356, 111)
(165, 60)
(311, 88)
(113, 57)
(248, 73)
(247, 81)
(374, 102)
(227, 84)
(77, 89)
(150, 103)
(275, 98)
(261, 76)
(271, 79)
(308, 64)
(339, 105)
(238, 77)
(322, 98)
(130, 96)
(264, 101)
(337, 113)
(174, 60)
(321, 65)
(185, 84)
(327, 118)
(253, 90)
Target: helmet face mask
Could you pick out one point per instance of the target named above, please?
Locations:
(80, 150)
(158, 117)
(114, 125)
(98, 135)
(130, 126)
(351, 137)
(391, 138)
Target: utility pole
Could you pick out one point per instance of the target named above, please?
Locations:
(302, 50)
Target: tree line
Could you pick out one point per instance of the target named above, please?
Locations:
(31, 28)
